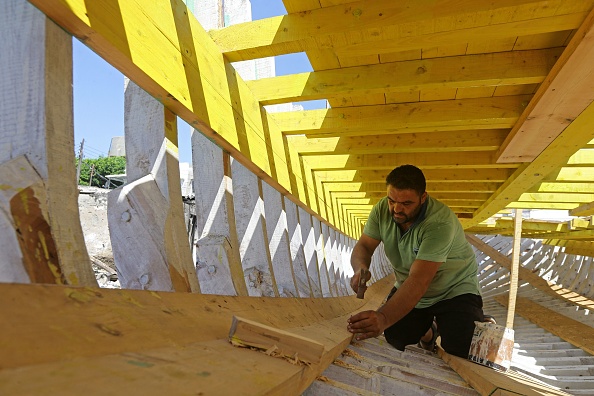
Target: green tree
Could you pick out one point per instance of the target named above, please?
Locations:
(103, 166)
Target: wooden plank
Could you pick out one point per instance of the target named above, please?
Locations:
(146, 219)
(570, 330)
(253, 244)
(140, 340)
(248, 333)
(566, 92)
(397, 29)
(449, 141)
(278, 241)
(218, 265)
(448, 115)
(463, 160)
(37, 132)
(488, 381)
(469, 175)
(586, 209)
(485, 70)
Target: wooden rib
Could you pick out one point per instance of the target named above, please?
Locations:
(464, 114)
(526, 275)
(485, 140)
(519, 67)
(395, 28)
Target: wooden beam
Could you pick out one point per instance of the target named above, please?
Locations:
(499, 175)
(192, 78)
(463, 160)
(450, 141)
(566, 92)
(586, 209)
(504, 68)
(345, 28)
(447, 115)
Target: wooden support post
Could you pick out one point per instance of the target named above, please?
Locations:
(146, 218)
(319, 246)
(278, 241)
(515, 267)
(41, 237)
(217, 250)
(327, 251)
(309, 249)
(303, 281)
(249, 223)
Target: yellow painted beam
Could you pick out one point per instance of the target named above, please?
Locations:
(447, 115)
(572, 174)
(548, 187)
(576, 135)
(566, 92)
(454, 175)
(433, 187)
(161, 47)
(557, 197)
(463, 160)
(582, 248)
(484, 70)
(450, 141)
(346, 28)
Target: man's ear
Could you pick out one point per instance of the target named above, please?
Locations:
(423, 197)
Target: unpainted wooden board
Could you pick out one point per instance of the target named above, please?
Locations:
(146, 339)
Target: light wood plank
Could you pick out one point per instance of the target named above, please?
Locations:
(567, 91)
(303, 281)
(140, 340)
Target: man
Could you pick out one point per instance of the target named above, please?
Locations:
(435, 268)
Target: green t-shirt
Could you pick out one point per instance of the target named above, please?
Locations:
(437, 236)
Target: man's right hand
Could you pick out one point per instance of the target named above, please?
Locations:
(356, 277)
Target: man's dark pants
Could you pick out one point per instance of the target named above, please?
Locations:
(455, 320)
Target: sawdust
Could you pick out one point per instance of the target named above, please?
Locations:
(272, 351)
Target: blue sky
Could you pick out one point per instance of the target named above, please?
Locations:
(99, 93)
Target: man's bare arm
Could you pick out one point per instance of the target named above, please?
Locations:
(361, 258)
(369, 324)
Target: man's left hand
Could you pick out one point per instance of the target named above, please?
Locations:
(367, 324)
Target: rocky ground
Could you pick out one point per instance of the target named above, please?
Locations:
(92, 203)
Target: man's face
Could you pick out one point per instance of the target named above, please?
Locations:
(405, 205)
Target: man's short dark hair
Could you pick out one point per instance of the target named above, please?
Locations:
(407, 177)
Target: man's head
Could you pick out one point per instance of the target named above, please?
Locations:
(406, 193)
